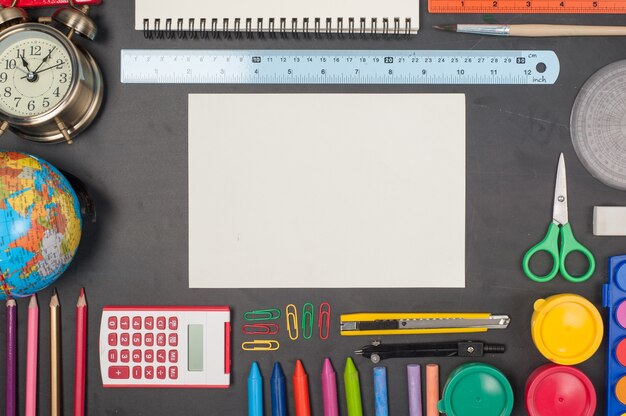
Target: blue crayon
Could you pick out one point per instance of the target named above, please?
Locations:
(278, 391)
(255, 391)
(380, 391)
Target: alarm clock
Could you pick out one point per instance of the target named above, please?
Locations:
(50, 87)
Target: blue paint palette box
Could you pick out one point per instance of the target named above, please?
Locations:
(614, 298)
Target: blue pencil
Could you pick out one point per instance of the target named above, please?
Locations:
(278, 391)
(380, 391)
(255, 391)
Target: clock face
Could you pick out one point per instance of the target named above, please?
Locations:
(35, 73)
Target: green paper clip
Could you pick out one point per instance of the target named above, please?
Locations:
(307, 320)
(262, 315)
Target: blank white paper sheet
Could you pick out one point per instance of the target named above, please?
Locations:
(326, 190)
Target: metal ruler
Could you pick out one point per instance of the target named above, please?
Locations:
(192, 66)
(598, 125)
(528, 6)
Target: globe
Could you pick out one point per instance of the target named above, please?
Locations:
(40, 224)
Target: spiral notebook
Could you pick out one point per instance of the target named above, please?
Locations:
(326, 190)
(318, 16)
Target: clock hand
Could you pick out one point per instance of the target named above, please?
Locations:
(44, 60)
(50, 67)
(25, 64)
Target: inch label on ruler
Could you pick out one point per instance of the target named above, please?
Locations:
(528, 6)
(151, 66)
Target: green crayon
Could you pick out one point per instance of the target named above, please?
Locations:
(353, 389)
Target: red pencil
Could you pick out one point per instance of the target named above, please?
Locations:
(301, 391)
(81, 355)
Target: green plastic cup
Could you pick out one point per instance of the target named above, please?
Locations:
(477, 389)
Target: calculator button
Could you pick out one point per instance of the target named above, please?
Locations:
(125, 339)
(173, 340)
(137, 340)
(137, 323)
(160, 356)
(119, 372)
(173, 323)
(173, 356)
(137, 371)
(160, 339)
(124, 322)
(113, 339)
(149, 356)
(160, 372)
(160, 322)
(112, 356)
(149, 340)
(112, 323)
(149, 323)
(149, 372)
(173, 372)
(136, 356)
(125, 356)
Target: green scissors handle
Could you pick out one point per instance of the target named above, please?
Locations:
(550, 244)
(569, 245)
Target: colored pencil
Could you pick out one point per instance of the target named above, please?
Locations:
(534, 30)
(329, 389)
(31, 357)
(381, 404)
(11, 367)
(255, 391)
(81, 355)
(353, 389)
(432, 389)
(301, 390)
(55, 355)
(278, 390)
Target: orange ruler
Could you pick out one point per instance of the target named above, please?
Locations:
(528, 6)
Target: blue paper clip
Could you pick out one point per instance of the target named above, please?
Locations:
(307, 320)
(262, 315)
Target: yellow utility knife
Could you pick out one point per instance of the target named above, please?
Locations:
(420, 323)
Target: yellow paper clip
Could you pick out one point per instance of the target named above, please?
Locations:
(262, 315)
(307, 320)
(292, 321)
(261, 345)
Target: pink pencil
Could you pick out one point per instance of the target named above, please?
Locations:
(329, 389)
(31, 357)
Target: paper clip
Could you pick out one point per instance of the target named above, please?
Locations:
(292, 321)
(323, 321)
(262, 315)
(260, 329)
(307, 320)
(261, 345)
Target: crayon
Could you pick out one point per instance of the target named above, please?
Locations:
(255, 391)
(278, 391)
(301, 390)
(432, 389)
(353, 389)
(329, 389)
(415, 389)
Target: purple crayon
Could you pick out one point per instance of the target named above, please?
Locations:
(413, 372)
(329, 389)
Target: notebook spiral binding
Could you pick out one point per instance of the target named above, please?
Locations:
(214, 28)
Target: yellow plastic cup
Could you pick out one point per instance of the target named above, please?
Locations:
(567, 329)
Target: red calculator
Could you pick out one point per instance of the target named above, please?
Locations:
(165, 346)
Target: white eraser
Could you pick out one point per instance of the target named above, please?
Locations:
(609, 221)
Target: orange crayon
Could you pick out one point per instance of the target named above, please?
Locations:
(301, 390)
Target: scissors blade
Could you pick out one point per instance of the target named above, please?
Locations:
(559, 209)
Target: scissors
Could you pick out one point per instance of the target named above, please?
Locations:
(550, 244)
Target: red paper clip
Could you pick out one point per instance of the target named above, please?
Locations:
(323, 321)
(27, 4)
(260, 329)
